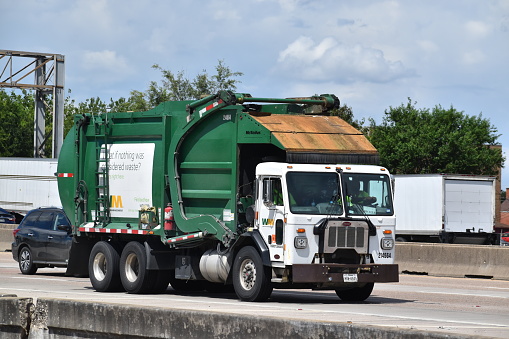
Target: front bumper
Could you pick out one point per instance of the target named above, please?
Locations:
(342, 273)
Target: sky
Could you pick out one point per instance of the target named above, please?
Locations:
(372, 54)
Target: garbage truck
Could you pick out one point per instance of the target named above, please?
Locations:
(227, 193)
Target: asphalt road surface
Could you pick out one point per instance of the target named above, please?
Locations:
(448, 305)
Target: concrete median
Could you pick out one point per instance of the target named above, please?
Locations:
(6, 237)
(52, 318)
(15, 315)
(453, 260)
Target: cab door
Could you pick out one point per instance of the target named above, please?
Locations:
(271, 215)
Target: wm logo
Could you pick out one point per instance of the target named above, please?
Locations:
(116, 201)
(269, 222)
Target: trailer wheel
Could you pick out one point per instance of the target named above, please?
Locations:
(103, 268)
(251, 280)
(133, 269)
(356, 293)
(26, 262)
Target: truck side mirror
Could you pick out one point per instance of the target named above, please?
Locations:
(268, 194)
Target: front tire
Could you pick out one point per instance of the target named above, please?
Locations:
(103, 268)
(356, 293)
(26, 262)
(133, 269)
(251, 280)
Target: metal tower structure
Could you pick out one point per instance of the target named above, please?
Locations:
(48, 73)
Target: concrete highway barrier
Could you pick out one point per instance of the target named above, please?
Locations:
(453, 260)
(6, 237)
(53, 318)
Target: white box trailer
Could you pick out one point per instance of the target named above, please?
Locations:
(27, 183)
(445, 208)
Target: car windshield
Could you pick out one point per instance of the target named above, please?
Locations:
(314, 193)
(368, 194)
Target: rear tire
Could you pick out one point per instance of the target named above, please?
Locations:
(356, 293)
(133, 269)
(251, 280)
(103, 268)
(26, 262)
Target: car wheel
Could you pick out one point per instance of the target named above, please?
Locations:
(251, 280)
(356, 293)
(133, 269)
(26, 263)
(103, 268)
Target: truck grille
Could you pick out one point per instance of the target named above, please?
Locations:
(339, 236)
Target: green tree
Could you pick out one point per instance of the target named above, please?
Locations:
(412, 140)
(176, 86)
(17, 127)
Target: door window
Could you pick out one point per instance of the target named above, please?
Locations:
(45, 221)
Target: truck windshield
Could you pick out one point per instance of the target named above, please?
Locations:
(314, 193)
(368, 194)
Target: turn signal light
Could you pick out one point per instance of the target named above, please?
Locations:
(301, 230)
(387, 232)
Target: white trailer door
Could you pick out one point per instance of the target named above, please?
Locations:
(468, 205)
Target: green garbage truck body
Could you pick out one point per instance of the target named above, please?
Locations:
(229, 192)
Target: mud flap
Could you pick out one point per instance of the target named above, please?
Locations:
(79, 254)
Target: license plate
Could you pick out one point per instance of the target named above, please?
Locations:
(350, 278)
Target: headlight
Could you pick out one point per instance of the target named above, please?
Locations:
(387, 243)
(300, 242)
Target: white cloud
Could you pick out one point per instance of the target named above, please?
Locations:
(477, 29)
(105, 67)
(304, 59)
(103, 60)
(473, 57)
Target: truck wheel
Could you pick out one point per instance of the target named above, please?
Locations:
(26, 263)
(356, 293)
(251, 280)
(133, 269)
(103, 268)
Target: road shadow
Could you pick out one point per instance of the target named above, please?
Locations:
(292, 297)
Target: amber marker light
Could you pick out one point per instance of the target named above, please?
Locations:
(387, 232)
(290, 167)
(301, 230)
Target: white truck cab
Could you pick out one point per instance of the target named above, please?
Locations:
(310, 214)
